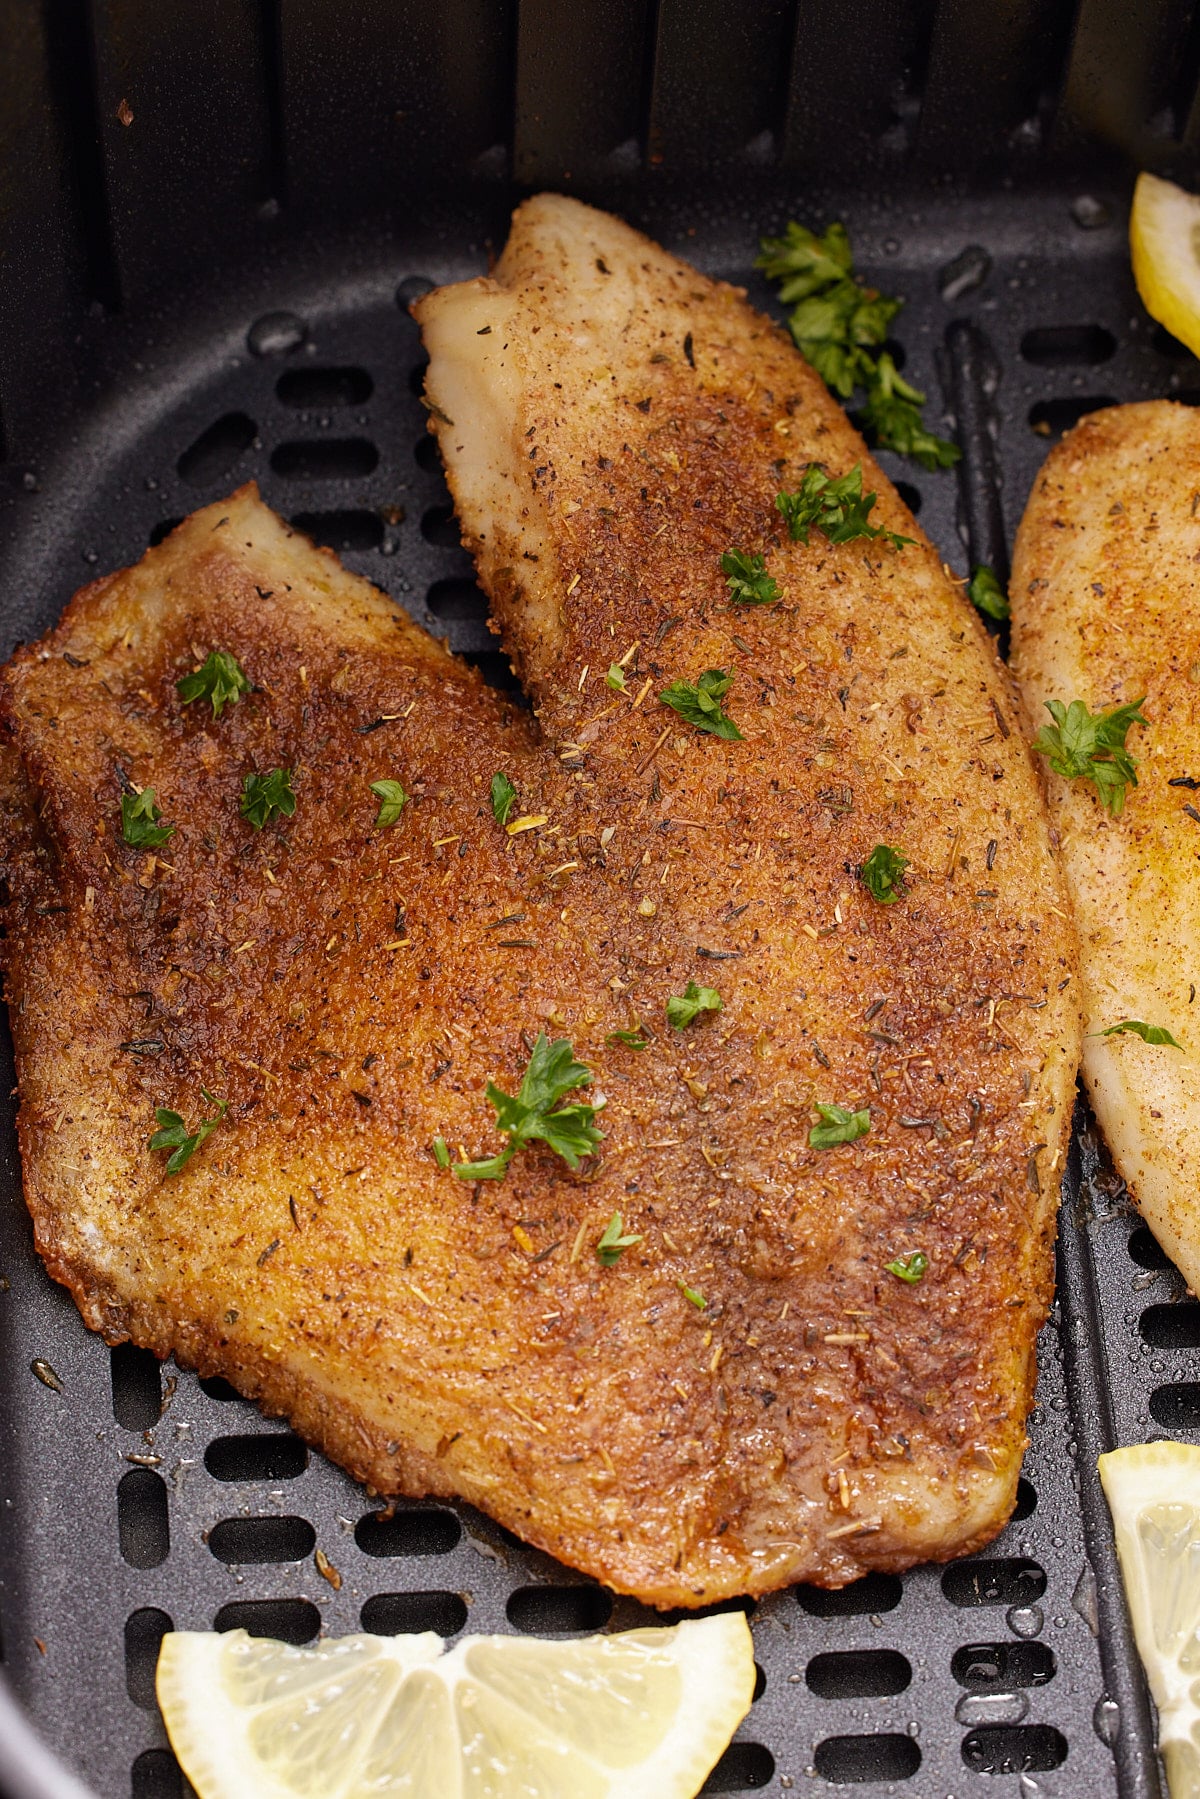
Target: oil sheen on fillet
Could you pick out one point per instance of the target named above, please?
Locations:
(747, 1396)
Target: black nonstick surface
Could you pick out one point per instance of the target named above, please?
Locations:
(135, 1499)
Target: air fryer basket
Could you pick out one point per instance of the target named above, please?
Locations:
(211, 218)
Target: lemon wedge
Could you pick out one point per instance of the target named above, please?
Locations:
(642, 1714)
(1164, 238)
(1153, 1492)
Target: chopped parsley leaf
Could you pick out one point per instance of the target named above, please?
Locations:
(613, 1244)
(838, 508)
(441, 1152)
(392, 801)
(263, 795)
(910, 1268)
(219, 679)
(838, 1125)
(615, 678)
(173, 1134)
(504, 796)
(631, 1039)
(1082, 745)
(747, 579)
(882, 874)
(683, 1007)
(139, 821)
(986, 593)
(700, 703)
(690, 1294)
(1149, 1033)
(569, 1130)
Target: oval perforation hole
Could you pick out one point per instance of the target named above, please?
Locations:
(428, 456)
(873, 1593)
(421, 1531)
(286, 1539)
(1012, 1580)
(858, 1759)
(998, 1667)
(912, 496)
(217, 1387)
(457, 600)
(1014, 1748)
(216, 450)
(1147, 1251)
(324, 387)
(439, 526)
(1068, 346)
(1026, 1500)
(1050, 418)
(156, 1774)
(325, 458)
(136, 1387)
(743, 1768)
(858, 1674)
(293, 1621)
(1176, 1407)
(399, 1614)
(143, 1529)
(340, 531)
(1171, 1327)
(262, 1456)
(558, 1611)
(161, 530)
(144, 1632)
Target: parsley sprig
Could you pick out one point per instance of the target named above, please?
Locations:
(838, 1125)
(219, 679)
(839, 508)
(139, 821)
(173, 1134)
(986, 592)
(882, 874)
(699, 703)
(747, 579)
(1149, 1033)
(615, 1241)
(535, 1113)
(840, 325)
(1090, 746)
(264, 795)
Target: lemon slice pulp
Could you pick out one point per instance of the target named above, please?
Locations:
(1164, 238)
(642, 1714)
(1153, 1492)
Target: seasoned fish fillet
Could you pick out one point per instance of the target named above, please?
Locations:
(747, 1396)
(1106, 608)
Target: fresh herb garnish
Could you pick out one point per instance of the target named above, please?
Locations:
(683, 1007)
(219, 679)
(173, 1134)
(747, 579)
(1149, 1033)
(700, 703)
(392, 801)
(569, 1131)
(909, 1268)
(840, 325)
(139, 821)
(615, 678)
(441, 1152)
(690, 1294)
(985, 591)
(838, 1125)
(1082, 745)
(612, 1244)
(839, 509)
(882, 874)
(631, 1039)
(504, 796)
(264, 794)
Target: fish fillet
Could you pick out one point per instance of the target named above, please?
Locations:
(1106, 609)
(747, 1397)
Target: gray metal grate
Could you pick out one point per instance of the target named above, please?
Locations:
(135, 1500)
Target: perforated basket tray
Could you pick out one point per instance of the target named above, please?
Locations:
(134, 1500)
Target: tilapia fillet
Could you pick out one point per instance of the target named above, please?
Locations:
(1106, 609)
(747, 1397)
